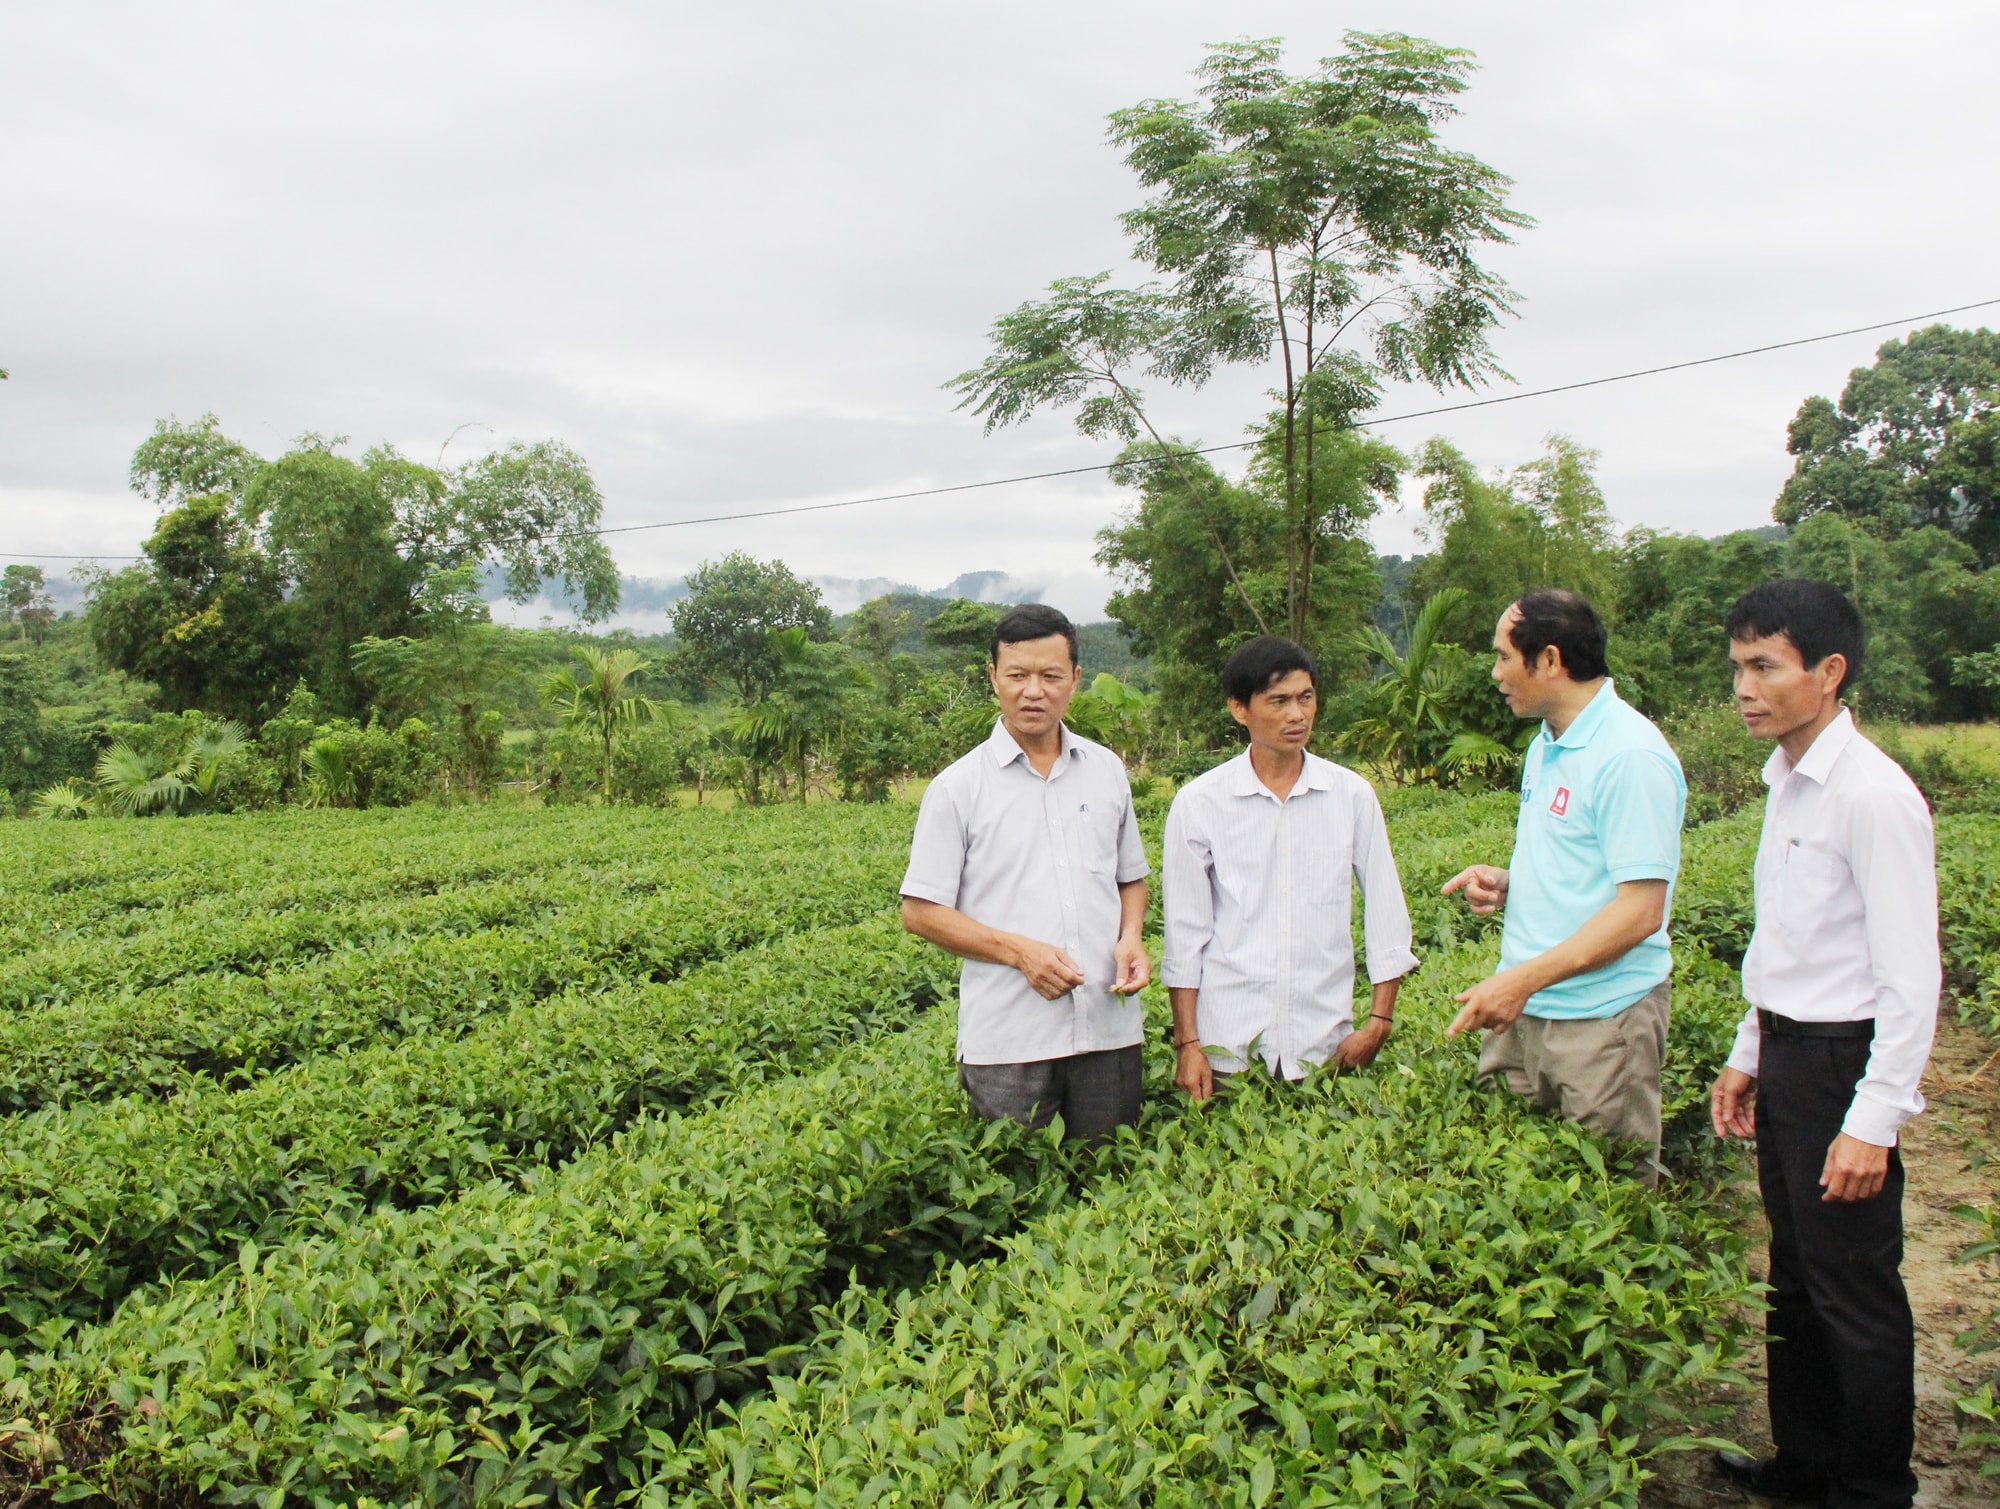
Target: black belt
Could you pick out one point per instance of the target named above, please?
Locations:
(1784, 1026)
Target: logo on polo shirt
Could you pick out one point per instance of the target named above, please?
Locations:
(1560, 806)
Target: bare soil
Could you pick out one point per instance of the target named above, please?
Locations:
(1945, 1153)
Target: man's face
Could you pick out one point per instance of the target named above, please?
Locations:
(1775, 691)
(1281, 716)
(1034, 681)
(1527, 688)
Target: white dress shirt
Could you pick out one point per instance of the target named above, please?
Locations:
(1042, 857)
(1259, 910)
(1847, 924)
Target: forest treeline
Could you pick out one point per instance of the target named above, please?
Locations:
(314, 628)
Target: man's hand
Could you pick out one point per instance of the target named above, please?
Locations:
(1047, 968)
(1192, 1072)
(1732, 1104)
(1854, 1171)
(1358, 1049)
(1485, 888)
(1496, 1001)
(1135, 970)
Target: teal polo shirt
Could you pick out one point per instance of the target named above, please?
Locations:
(1599, 806)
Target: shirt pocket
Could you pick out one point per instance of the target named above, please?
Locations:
(1809, 883)
(1097, 841)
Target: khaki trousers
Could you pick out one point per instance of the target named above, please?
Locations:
(1603, 1073)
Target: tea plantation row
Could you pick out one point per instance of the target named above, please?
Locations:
(658, 1187)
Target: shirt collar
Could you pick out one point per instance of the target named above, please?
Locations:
(1006, 748)
(1586, 723)
(1818, 762)
(1244, 780)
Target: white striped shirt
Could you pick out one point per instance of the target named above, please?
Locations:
(1259, 905)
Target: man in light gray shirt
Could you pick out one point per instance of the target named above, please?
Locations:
(1260, 859)
(1027, 864)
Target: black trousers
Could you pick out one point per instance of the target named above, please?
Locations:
(1842, 1340)
(1094, 1093)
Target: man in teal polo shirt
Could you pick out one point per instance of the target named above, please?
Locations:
(1576, 1015)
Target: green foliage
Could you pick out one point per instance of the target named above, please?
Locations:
(25, 602)
(604, 701)
(727, 621)
(205, 618)
(339, 934)
(1674, 592)
(179, 462)
(261, 573)
(134, 782)
(1297, 213)
(497, 1160)
(401, 1123)
(1544, 524)
(1420, 718)
(1911, 443)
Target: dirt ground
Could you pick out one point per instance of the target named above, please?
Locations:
(1943, 1154)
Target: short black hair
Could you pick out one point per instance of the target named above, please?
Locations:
(1815, 616)
(1259, 662)
(1552, 616)
(1029, 621)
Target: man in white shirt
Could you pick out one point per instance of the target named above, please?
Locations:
(1027, 864)
(1842, 978)
(1259, 857)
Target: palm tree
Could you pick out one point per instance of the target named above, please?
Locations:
(805, 710)
(1411, 717)
(603, 701)
(135, 784)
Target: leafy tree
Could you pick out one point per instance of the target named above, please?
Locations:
(802, 716)
(204, 617)
(179, 462)
(23, 691)
(1668, 645)
(1180, 603)
(965, 625)
(1320, 222)
(462, 659)
(733, 609)
(1911, 441)
(1545, 524)
(332, 532)
(875, 631)
(25, 601)
(604, 700)
(533, 510)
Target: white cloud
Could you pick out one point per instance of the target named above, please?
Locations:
(729, 253)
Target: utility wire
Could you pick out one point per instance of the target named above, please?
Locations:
(1206, 450)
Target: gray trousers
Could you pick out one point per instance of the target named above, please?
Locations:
(1094, 1093)
(1603, 1073)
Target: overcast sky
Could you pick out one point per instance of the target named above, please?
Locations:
(729, 252)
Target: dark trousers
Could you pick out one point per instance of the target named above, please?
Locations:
(1094, 1093)
(1842, 1340)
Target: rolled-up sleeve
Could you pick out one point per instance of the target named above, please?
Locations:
(1385, 927)
(1892, 853)
(937, 849)
(1189, 902)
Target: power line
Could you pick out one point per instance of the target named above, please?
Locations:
(1206, 450)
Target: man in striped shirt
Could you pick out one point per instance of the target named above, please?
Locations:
(1261, 854)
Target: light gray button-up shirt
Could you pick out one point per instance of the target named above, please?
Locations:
(1847, 919)
(1259, 904)
(1043, 858)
